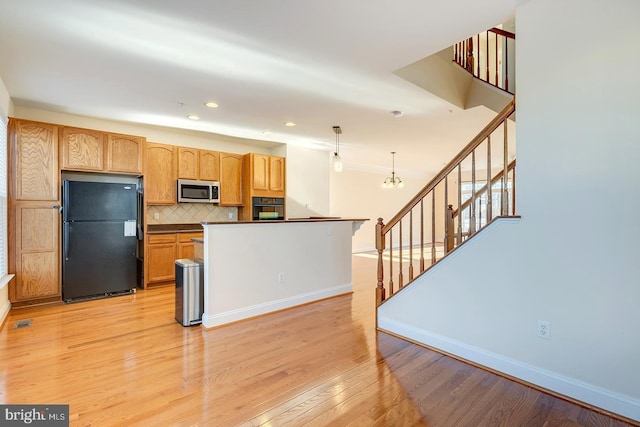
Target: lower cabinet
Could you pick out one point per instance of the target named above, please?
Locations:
(162, 252)
(36, 253)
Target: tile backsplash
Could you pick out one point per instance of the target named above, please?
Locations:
(189, 213)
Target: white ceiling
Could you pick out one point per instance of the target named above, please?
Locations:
(265, 62)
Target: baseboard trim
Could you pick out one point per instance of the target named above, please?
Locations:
(587, 394)
(4, 313)
(232, 316)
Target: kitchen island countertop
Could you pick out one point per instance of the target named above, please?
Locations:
(291, 220)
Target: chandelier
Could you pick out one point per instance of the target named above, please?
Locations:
(337, 161)
(393, 181)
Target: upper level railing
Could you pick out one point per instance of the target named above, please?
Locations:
(489, 57)
(453, 206)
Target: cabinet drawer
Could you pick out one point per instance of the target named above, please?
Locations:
(186, 237)
(154, 239)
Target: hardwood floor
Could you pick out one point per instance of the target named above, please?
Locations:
(126, 361)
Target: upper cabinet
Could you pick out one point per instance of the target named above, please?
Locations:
(91, 150)
(161, 174)
(188, 163)
(34, 149)
(264, 175)
(209, 165)
(198, 164)
(277, 177)
(230, 179)
(81, 149)
(124, 153)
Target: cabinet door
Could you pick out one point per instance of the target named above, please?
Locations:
(37, 259)
(186, 246)
(260, 172)
(34, 149)
(277, 175)
(124, 153)
(81, 149)
(188, 163)
(209, 165)
(160, 174)
(161, 257)
(230, 179)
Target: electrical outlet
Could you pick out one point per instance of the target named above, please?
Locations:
(156, 215)
(544, 329)
(280, 277)
(230, 215)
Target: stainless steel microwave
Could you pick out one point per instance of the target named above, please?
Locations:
(190, 191)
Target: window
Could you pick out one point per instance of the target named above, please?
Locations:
(481, 203)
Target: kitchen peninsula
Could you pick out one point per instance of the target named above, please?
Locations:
(257, 267)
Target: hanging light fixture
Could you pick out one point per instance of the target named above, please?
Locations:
(337, 161)
(393, 180)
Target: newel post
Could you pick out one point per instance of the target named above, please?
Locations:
(380, 245)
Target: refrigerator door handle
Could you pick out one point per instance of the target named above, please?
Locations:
(65, 241)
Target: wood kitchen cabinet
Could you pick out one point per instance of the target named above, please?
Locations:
(277, 176)
(264, 175)
(186, 245)
(161, 255)
(162, 252)
(33, 151)
(230, 179)
(124, 153)
(161, 174)
(188, 163)
(36, 257)
(209, 165)
(97, 151)
(33, 214)
(81, 149)
(198, 164)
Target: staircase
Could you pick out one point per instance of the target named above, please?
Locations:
(473, 189)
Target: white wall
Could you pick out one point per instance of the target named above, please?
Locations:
(244, 263)
(307, 182)
(572, 259)
(6, 109)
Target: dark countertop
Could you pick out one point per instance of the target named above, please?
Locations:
(294, 220)
(197, 227)
(173, 228)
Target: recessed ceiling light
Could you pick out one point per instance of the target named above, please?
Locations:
(289, 124)
(397, 113)
(266, 132)
(193, 117)
(211, 104)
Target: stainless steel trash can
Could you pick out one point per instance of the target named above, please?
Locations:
(189, 291)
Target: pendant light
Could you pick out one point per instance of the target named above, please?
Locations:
(393, 181)
(337, 161)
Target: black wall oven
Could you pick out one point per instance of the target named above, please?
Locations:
(268, 208)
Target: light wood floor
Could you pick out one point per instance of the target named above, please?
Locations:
(125, 361)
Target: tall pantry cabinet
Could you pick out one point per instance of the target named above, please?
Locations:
(34, 203)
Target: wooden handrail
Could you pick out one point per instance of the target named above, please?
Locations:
(475, 142)
(486, 57)
(502, 32)
(482, 189)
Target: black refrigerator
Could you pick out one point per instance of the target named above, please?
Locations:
(98, 239)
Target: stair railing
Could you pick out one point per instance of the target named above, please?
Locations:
(453, 206)
(486, 56)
